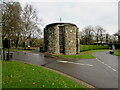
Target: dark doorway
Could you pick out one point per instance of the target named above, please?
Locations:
(61, 39)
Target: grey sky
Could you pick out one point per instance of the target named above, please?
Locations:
(80, 13)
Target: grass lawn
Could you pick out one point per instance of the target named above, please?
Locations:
(27, 50)
(19, 50)
(82, 55)
(0, 75)
(117, 53)
(20, 75)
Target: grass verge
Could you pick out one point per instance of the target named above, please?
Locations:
(82, 55)
(20, 75)
(0, 74)
(20, 50)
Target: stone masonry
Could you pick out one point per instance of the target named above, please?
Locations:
(61, 38)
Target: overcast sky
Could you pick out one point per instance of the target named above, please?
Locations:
(82, 13)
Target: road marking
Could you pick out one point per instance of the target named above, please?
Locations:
(75, 63)
(107, 65)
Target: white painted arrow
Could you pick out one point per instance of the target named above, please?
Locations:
(75, 63)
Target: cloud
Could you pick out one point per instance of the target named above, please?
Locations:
(80, 13)
(68, 0)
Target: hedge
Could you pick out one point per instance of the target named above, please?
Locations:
(92, 47)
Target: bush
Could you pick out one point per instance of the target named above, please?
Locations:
(92, 47)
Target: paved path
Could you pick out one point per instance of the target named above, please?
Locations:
(101, 72)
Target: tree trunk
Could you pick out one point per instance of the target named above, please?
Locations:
(24, 46)
(16, 44)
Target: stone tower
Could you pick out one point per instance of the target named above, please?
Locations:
(61, 38)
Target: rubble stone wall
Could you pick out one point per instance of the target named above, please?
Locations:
(71, 38)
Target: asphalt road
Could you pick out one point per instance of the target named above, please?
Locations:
(101, 72)
(32, 58)
(108, 59)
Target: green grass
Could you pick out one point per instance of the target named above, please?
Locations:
(117, 53)
(26, 50)
(18, 50)
(82, 48)
(20, 75)
(82, 55)
(0, 74)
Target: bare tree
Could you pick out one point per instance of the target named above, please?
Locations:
(29, 25)
(87, 35)
(108, 38)
(100, 33)
(118, 35)
(10, 19)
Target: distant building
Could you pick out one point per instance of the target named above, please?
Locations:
(61, 38)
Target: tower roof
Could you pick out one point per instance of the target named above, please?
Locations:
(61, 23)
